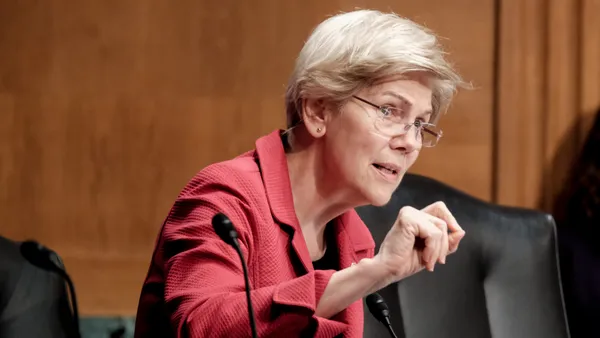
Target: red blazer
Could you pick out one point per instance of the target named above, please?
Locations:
(195, 284)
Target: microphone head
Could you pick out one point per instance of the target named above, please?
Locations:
(378, 307)
(224, 228)
(40, 256)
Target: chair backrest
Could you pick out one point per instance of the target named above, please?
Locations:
(33, 302)
(503, 282)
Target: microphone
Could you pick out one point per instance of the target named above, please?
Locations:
(224, 228)
(46, 259)
(380, 311)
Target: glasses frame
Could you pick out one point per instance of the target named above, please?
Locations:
(423, 125)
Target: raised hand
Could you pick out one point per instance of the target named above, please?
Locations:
(419, 239)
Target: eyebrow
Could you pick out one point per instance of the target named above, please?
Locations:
(406, 101)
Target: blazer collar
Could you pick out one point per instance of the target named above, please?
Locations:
(274, 171)
(352, 233)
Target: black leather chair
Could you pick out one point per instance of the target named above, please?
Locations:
(503, 282)
(33, 302)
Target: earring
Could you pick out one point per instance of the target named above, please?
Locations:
(319, 130)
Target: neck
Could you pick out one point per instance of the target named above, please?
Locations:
(317, 199)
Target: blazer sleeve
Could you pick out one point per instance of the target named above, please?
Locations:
(204, 288)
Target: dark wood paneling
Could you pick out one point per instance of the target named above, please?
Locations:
(107, 108)
(589, 70)
(547, 95)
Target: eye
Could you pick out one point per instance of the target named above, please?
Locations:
(386, 111)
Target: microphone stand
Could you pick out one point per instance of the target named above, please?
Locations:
(224, 228)
(380, 311)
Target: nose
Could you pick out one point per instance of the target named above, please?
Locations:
(406, 141)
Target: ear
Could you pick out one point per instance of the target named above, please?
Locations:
(314, 116)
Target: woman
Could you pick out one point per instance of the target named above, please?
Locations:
(360, 103)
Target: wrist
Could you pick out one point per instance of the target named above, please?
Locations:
(377, 271)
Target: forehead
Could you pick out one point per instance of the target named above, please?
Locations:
(414, 88)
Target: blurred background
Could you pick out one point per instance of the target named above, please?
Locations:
(107, 108)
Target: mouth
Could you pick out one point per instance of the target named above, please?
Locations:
(388, 170)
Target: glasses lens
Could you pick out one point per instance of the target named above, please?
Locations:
(391, 125)
(430, 135)
(386, 127)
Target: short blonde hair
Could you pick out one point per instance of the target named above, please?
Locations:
(349, 51)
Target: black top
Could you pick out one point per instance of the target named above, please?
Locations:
(329, 261)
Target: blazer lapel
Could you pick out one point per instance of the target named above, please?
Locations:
(274, 171)
(353, 236)
(353, 239)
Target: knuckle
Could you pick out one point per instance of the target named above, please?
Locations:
(440, 224)
(440, 204)
(444, 208)
(405, 211)
(444, 226)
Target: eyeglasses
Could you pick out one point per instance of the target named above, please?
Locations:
(390, 121)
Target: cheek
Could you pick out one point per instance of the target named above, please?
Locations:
(367, 149)
(412, 158)
(354, 144)
(351, 136)
(365, 146)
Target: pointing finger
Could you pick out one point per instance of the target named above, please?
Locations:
(440, 210)
(454, 240)
(433, 244)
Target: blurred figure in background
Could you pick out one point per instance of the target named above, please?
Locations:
(578, 218)
(363, 100)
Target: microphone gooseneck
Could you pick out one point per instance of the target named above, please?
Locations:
(380, 311)
(46, 259)
(224, 228)
(226, 231)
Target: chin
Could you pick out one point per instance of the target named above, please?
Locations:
(380, 197)
(381, 201)
(375, 191)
